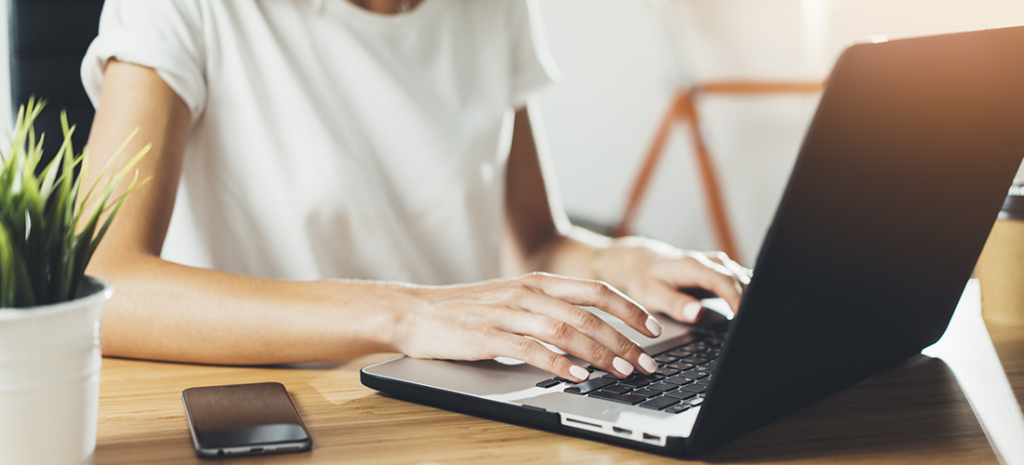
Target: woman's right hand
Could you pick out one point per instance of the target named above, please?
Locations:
(506, 318)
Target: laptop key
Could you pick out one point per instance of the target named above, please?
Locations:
(665, 358)
(681, 395)
(650, 378)
(623, 398)
(666, 371)
(680, 366)
(695, 359)
(680, 380)
(694, 387)
(662, 387)
(694, 374)
(679, 353)
(618, 389)
(548, 383)
(647, 392)
(678, 408)
(634, 382)
(587, 386)
(659, 403)
(696, 402)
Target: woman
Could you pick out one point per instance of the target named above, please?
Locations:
(325, 171)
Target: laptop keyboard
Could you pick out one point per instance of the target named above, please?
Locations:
(683, 375)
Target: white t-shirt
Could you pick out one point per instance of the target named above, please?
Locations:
(332, 142)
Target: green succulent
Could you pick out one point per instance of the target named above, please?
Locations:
(47, 235)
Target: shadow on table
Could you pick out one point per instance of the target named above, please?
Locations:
(916, 409)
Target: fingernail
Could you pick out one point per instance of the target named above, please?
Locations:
(692, 311)
(648, 363)
(653, 326)
(622, 366)
(579, 372)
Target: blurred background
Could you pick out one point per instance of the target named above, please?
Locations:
(621, 62)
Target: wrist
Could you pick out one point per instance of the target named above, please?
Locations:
(625, 258)
(595, 263)
(380, 315)
(614, 263)
(410, 310)
(395, 328)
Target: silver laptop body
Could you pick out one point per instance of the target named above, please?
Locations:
(900, 177)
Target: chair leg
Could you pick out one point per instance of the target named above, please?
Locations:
(643, 178)
(709, 177)
(683, 110)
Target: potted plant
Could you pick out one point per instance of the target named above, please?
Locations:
(50, 312)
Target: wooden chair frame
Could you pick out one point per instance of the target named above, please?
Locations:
(684, 110)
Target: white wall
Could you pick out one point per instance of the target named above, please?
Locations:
(620, 65)
(618, 78)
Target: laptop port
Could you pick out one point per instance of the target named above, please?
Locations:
(622, 431)
(573, 420)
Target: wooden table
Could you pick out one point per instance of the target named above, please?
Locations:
(962, 406)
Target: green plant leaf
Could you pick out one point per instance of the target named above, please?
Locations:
(48, 236)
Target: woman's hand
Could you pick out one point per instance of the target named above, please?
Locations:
(507, 318)
(653, 273)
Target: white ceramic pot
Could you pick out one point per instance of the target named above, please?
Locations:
(50, 379)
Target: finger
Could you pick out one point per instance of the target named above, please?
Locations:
(664, 298)
(564, 336)
(712, 260)
(534, 353)
(580, 333)
(711, 276)
(724, 286)
(741, 272)
(597, 294)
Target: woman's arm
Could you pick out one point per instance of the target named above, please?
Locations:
(167, 311)
(162, 310)
(541, 238)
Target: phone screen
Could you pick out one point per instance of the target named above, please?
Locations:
(244, 419)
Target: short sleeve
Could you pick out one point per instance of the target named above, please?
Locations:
(166, 35)
(532, 66)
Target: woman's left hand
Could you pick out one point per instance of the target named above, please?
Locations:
(653, 272)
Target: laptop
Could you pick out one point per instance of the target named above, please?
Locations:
(900, 177)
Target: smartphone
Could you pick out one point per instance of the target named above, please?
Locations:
(244, 419)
